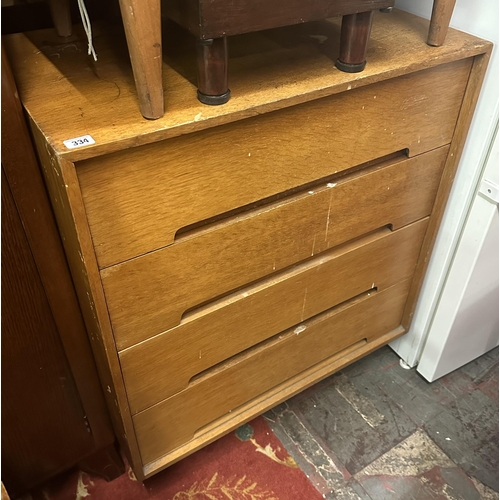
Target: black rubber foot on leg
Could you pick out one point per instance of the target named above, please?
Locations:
(350, 68)
(214, 100)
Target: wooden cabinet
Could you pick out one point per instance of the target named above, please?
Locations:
(228, 257)
(53, 412)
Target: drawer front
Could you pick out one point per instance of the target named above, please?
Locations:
(216, 392)
(137, 200)
(150, 294)
(158, 368)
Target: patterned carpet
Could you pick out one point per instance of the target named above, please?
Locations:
(248, 464)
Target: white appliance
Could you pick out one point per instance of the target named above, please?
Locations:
(465, 322)
(456, 319)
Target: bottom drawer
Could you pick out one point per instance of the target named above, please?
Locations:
(225, 387)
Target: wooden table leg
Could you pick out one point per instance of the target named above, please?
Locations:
(440, 20)
(212, 62)
(354, 37)
(142, 21)
(61, 17)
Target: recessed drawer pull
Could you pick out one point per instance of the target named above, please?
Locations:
(288, 196)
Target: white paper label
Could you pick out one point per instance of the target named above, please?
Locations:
(79, 142)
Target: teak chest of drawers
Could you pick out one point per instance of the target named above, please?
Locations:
(226, 258)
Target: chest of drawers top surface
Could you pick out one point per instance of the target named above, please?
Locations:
(68, 95)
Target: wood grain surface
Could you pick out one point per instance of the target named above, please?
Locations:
(268, 71)
(25, 180)
(269, 399)
(5, 495)
(41, 410)
(442, 11)
(61, 16)
(43, 331)
(62, 185)
(142, 22)
(215, 18)
(137, 200)
(354, 38)
(148, 295)
(147, 254)
(480, 64)
(156, 369)
(172, 422)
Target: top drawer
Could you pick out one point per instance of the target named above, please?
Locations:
(137, 200)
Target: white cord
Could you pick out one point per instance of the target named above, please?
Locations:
(87, 27)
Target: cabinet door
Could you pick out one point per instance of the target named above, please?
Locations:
(53, 410)
(43, 422)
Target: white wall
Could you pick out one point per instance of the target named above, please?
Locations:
(480, 18)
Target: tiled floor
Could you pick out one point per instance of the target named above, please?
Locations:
(376, 431)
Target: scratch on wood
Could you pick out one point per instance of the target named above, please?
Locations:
(303, 305)
(328, 217)
(314, 243)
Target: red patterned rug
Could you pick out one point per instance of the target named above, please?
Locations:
(247, 464)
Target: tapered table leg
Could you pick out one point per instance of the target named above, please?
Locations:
(440, 20)
(61, 17)
(354, 37)
(212, 63)
(142, 21)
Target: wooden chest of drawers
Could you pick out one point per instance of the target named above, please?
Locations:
(227, 258)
